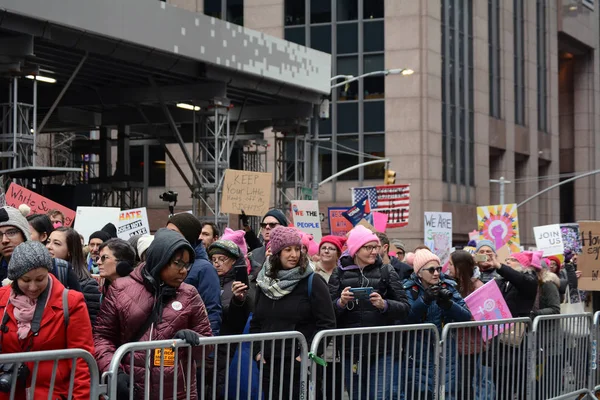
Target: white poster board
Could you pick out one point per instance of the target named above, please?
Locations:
(133, 222)
(548, 238)
(307, 218)
(91, 219)
(438, 234)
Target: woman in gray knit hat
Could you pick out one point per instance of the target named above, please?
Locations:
(34, 309)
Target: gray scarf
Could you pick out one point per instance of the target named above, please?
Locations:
(284, 284)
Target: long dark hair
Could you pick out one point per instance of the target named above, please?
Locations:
(464, 265)
(276, 265)
(42, 224)
(77, 259)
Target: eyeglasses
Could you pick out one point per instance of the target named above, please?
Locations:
(181, 265)
(400, 253)
(371, 248)
(328, 249)
(11, 233)
(271, 225)
(219, 261)
(104, 257)
(511, 259)
(433, 270)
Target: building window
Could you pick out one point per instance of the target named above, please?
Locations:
(542, 66)
(519, 60)
(156, 165)
(494, 53)
(457, 97)
(234, 10)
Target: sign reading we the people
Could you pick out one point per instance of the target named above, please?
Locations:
(589, 260)
(246, 190)
(306, 217)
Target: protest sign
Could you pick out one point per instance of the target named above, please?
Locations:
(91, 219)
(306, 217)
(438, 234)
(17, 195)
(570, 236)
(392, 200)
(380, 221)
(548, 238)
(361, 210)
(589, 262)
(338, 224)
(488, 304)
(133, 222)
(500, 224)
(246, 190)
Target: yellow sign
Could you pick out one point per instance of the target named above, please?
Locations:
(169, 357)
(500, 224)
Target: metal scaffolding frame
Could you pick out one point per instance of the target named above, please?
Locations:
(289, 175)
(254, 158)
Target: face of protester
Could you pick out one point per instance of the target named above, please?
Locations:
(430, 273)
(400, 254)
(207, 236)
(33, 283)
(94, 247)
(451, 268)
(290, 256)
(513, 263)
(222, 264)
(489, 253)
(367, 254)
(174, 273)
(553, 266)
(328, 253)
(57, 246)
(107, 264)
(267, 226)
(57, 220)
(37, 236)
(11, 238)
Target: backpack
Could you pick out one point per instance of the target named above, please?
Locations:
(61, 271)
(310, 281)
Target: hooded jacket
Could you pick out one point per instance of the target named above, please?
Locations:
(519, 288)
(549, 296)
(205, 279)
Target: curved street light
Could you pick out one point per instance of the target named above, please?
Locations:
(385, 72)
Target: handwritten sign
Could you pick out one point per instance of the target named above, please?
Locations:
(92, 219)
(306, 217)
(246, 190)
(17, 195)
(488, 304)
(133, 222)
(548, 238)
(589, 260)
(338, 224)
(438, 234)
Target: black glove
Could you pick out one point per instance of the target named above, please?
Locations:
(444, 299)
(244, 219)
(431, 293)
(189, 336)
(533, 314)
(122, 386)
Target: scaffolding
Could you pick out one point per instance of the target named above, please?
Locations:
(290, 176)
(254, 158)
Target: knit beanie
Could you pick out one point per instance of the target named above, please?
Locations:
(282, 237)
(337, 241)
(10, 216)
(422, 257)
(162, 250)
(226, 248)
(102, 235)
(189, 226)
(237, 237)
(470, 250)
(524, 258)
(358, 237)
(398, 244)
(472, 243)
(143, 243)
(409, 258)
(278, 215)
(556, 260)
(308, 241)
(487, 243)
(26, 257)
(536, 259)
(111, 229)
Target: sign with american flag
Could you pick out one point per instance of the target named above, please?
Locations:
(392, 200)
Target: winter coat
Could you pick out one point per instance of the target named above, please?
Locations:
(53, 336)
(363, 313)
(519, 289)
(548, 302)
(92, 295)
(257, 258)
(403, 270)
(469, 340)
(294, 312)
(125, 309)
(488, 275)
(204, 278)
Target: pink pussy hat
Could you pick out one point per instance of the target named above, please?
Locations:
(236, 237)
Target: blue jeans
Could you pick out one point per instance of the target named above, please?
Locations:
(374, 378)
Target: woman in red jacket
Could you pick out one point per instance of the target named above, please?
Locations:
(153, 303)
(23, 330)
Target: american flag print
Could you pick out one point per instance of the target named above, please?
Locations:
(392, 200)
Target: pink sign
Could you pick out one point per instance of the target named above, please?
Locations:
(380, 221)
(488, 304)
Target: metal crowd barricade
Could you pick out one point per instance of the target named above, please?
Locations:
(224, 367)
(594, 370)
(560, 356)
(45, 358)
(392, 362)
(485, 360)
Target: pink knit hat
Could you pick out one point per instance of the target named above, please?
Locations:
(409, 258)
(422, 257)
(236, 237)
(310, 244)
(282, 237)
(358, 237)
(536, 259)
(524, 258)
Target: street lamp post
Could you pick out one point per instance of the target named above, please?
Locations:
(347, 79)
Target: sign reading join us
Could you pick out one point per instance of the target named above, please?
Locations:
(17, 195)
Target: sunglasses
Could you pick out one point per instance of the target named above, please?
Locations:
(433, 270)
(270, 225)
(104, 258)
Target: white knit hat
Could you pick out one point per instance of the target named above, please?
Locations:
(10, 216)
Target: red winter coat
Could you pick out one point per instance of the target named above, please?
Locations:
(125, 309)
(53, 336)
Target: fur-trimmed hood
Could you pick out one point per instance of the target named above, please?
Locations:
(547, 276)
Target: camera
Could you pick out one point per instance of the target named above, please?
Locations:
(170, 196)
(6, 376)
(443, 293)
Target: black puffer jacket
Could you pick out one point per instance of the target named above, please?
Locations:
(92, 295)
(363, 313)
(519, 289)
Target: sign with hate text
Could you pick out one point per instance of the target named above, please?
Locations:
(246, 190)
(133, 222)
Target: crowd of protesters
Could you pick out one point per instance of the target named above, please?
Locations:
(190, 280)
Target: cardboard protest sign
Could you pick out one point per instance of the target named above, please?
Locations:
(306, 217)
(589, 260)
(246, 190)
(92, 219)
(488, 304)
(17, 195)
(438, 234)
(548, 238)
(133, 222)
(500, 224)
(338, 224)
